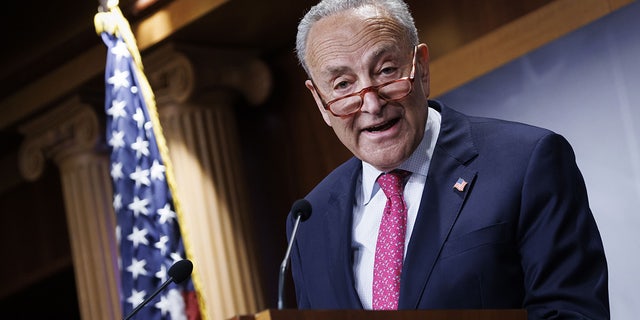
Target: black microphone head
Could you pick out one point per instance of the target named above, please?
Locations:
(301, 208)
(180, 270)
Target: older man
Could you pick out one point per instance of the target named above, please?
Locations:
(436, 210)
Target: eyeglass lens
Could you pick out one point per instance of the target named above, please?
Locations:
(390, 91)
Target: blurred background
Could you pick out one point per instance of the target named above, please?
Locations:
(246, 138)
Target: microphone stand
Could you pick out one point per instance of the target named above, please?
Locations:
(144, 303)
(285, 264)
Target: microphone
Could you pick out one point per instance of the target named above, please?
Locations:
(178, 272)
(301, 211)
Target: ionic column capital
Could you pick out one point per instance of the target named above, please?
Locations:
(178, 73)
(68, 129)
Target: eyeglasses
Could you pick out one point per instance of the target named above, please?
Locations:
(389, 91)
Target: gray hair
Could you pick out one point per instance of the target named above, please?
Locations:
(397, 9)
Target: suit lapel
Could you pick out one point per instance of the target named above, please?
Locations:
(337, 227)
(440, 204)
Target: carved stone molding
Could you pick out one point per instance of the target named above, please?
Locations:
(69, 135)
(68, 129)
(178, 73)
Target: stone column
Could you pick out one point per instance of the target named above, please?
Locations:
(69, 134)
(196, 91)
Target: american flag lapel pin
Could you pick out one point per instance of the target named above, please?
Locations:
(460, 184)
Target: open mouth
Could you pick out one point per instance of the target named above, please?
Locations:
(384, 126)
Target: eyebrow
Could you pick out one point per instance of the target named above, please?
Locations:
(381, 52)
(332, 71)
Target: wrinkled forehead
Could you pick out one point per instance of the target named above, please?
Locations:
(350, 33)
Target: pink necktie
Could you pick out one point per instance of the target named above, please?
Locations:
(390, 245)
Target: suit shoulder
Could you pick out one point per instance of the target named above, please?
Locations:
(508, 133)
(502, 126)
(483, 128)
(493, 138)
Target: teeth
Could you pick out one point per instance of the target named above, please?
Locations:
(371, 129)
(381, 127)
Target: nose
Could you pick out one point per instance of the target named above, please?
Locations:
(372, 103)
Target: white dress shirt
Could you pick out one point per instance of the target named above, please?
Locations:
(370, 202)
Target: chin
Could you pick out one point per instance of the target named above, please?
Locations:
(380, 155)
(385, 164)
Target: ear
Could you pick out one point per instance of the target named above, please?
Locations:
(422, 61)
(325, 114)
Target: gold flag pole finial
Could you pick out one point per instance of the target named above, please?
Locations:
(113, 22)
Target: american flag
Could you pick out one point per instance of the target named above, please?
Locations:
(147, 229)
(460, 184)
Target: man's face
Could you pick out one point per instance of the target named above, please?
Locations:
(359, 48)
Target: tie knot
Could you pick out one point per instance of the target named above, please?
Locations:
(392, 183)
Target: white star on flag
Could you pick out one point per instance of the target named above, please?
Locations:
(117, 140)
(139, 118)
(157, 170)
(117, 201)
(119, 79)
(141, 177)
(117, 109)
(136, 297)
(139, 206)
(116, 171)
(176, 257)
(163, 305)
(137, 268)
(162, 273)
(141, 147)
(176, 305)
(162, 245)
(166, 214)
(138, 236)
(120, 50)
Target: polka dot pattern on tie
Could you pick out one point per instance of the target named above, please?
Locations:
(390, 244)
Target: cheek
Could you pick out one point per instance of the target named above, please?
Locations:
(417, 120)
(417, 107)
(326, 116)
(345, 131)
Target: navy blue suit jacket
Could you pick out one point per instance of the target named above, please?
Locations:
(520, 234)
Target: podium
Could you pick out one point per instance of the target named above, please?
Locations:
(292, 314)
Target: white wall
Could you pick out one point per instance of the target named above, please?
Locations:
(585, 86)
